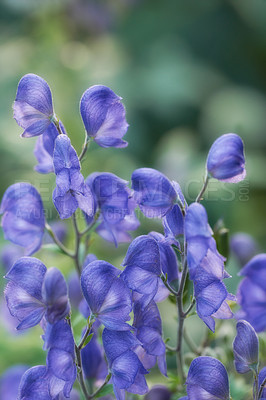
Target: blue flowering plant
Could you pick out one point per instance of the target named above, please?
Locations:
(122, 336)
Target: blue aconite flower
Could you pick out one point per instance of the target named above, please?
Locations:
(226, 160)
(60, 362)
(33, 292)
(112, 199)
(103, 116)
(252, 293)
(153, 192)
(206, 268)
(143, 268)
(246, 348)
(71, 191)
(207, 379)
(107, 295)
(44, 149)
(262, 377)
(93, 362)
(55, 380)
(168, 259)
(148, 326)
(23, 221)
(9, 382)
(33, 107)
(125, 366)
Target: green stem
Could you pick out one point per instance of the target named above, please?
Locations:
(181, 319)
(107, 379)
(261, 388)
(77, 243)
(55, 120)
(84, 147)
(57, 241)
(204, 187)
(169, 287)
(191, 343)
(86, 334)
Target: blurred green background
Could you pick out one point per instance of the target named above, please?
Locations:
(188, 71)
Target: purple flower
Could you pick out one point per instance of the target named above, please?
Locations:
(153, 192)
(226, 160)
(158, 392)
(168, 259)
(33, 107)
(23, 220)
(207, 379)
(33, 292)
(206, 268)
(246, 348)
(61, 367)
(243, 246)
(107, 295)
(93, 362)
(148, 326)
(9, 382)
(44, 149)
(74, 288)
(55, 380)
(143, 268)
(125, 366)
(173, 223)
(103, 116)
(112, 199)
(262, 377)
(71, 191)
(251, 294)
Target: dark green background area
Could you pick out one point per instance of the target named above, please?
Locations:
(188, 71)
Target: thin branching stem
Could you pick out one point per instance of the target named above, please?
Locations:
(77, 243)
(203, 189)
(57, 241)
(261, 388)
(84, 147)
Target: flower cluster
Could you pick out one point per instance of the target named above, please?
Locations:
(122, 335)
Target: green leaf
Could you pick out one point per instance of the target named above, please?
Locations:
(107, 389)
(88, 339)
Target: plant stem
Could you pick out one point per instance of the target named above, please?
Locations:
(57, 241)
(86, 334)
(191, 343)
(107, 379)
(181, 319)
(57, 125)
(204, 187)
(169, 287)
(77, 244)
(84, 147)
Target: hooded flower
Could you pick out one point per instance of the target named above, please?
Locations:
(153, 192)
(23, 220)
(112, 199)
(55, 380)
(125, 366)
(246, 348)
(33, 107)
(148, 326)
(103, 116)
(44, 149)
(93, 362)
(251, 294)
(226, 160)
(107, 295)
(71, 191)
(33, 292)
(206, 268)
(207, 379)
(143, 268)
